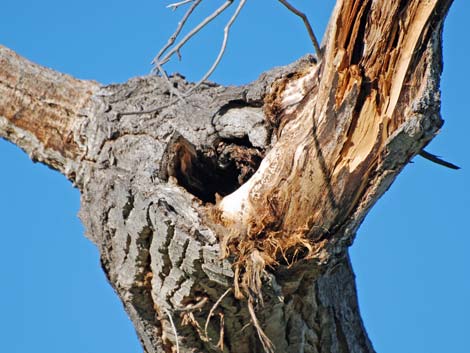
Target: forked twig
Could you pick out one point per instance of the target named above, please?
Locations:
(265, 341)
(158, 61)
(178, 30)
(304, 18)
(211, 312)
(222, 48)
(194, 31)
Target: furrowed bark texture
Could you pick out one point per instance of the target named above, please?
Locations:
(229, 215)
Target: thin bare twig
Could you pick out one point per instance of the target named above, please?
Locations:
(211, 312)
(222, 48)
(193, 307)
(304, 18)
(178, 30)
(174, 330)
(194, 31)
(245, 327)
(158, 61)
(175, 5)
(220, 343)
(433, 158)
(149, 111)
(265, 341)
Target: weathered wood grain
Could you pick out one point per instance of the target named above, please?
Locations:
(254, 191)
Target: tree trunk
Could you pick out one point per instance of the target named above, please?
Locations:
(223, 221)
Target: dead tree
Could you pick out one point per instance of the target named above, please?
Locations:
(223, 221)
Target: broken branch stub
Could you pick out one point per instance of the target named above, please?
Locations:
(41, 111)
(347, 127)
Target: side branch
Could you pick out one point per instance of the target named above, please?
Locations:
(304, 18)
(39, 109)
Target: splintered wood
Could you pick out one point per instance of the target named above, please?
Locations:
(336, 142)
(333, 137)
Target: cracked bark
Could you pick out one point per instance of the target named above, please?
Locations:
(277, 174)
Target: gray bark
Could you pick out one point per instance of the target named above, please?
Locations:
(158, 189)
(157, 251)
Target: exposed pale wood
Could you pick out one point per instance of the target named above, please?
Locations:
(166, 194)
(338, 141)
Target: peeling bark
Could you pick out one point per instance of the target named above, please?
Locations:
(238, 205)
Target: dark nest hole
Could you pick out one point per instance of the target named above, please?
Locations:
(219, 170)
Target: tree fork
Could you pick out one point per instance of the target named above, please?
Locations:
(277, 175)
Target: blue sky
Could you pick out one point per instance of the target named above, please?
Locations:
(411, 254)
